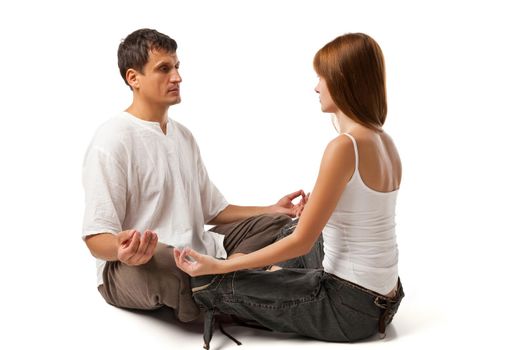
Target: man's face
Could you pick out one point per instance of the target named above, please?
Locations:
(159, 82)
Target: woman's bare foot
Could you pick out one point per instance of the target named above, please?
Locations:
(273, 268)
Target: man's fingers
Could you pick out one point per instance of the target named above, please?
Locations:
(150, 250)
(146, 249)
(295, 194)
(144, 243)
(129, 251)
(131, 244)
(305, 198)
(124, 237)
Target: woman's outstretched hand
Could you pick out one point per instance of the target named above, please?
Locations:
(195, 264)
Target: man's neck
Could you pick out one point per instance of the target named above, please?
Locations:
(150, 114)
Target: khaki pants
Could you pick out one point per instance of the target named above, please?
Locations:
(160, 283)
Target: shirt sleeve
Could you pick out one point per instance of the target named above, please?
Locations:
(212, 200)
(105, 186)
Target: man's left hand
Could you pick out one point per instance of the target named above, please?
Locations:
(286, 206)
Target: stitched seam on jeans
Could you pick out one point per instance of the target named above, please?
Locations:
(233, 280)
(221, 278)
(331, 303)
(286, 305)
(359, 311)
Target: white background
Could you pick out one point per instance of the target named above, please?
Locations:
(455, 86)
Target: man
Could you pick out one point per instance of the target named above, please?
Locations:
(147, 190)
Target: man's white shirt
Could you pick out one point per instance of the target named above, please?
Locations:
(137, 177)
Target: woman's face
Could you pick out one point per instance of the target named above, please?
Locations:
(327, 104)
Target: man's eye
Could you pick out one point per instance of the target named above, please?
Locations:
(164, 69)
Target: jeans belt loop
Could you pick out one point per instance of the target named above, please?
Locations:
(385, 305)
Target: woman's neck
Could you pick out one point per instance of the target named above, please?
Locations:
(348, 125)
(345, 124)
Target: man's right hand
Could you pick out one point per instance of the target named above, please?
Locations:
(135, 248)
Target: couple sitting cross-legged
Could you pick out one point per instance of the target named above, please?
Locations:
(331, 274)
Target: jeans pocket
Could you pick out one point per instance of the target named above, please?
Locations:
(354, 321)
(354, 309)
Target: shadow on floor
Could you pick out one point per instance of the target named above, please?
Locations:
(244, 334)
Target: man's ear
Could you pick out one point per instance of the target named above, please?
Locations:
(132, 78)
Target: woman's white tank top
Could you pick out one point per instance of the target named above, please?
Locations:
(360, 239)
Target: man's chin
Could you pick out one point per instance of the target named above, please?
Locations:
(175, 101)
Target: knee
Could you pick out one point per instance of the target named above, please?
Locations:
(162, 259)
(284, 219)
(277, 219)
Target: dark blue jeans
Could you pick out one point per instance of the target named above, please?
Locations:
(306, 301)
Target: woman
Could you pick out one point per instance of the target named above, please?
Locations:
(358, 291)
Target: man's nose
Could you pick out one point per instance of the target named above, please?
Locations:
(176, 76)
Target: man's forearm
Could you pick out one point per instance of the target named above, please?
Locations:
(103, 246)
(234, 213)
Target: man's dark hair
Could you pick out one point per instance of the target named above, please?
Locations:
(133, 52)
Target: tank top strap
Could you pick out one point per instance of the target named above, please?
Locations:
(355, 150)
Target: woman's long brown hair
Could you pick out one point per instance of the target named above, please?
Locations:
(354, 70)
